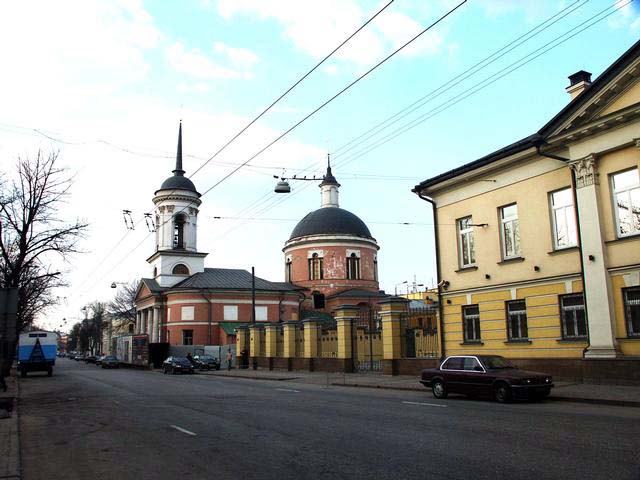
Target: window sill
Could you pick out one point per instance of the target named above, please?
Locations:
(563, 250)
(511, 260)
(635, 338)
(626, 238)
(472, 342)
(572, 340)
(471, 268)
(519, 341)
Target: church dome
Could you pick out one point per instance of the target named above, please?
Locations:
(329, 221)
(178, 182)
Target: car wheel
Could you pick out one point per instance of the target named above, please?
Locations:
(439, 389)
(173, 371)
(502, 393)
(49, 372)
(164, 370)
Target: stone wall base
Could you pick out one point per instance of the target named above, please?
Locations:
(614, 371)
(331, 365)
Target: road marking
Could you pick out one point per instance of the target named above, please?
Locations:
(183, 430)
(427, 404)
(287, 390)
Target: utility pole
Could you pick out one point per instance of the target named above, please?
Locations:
(253, 295)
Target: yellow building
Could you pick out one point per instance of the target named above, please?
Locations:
(538, 243)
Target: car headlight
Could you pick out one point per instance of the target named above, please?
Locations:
(547, 380)
(526, 380)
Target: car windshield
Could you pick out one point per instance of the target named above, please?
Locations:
(180, 360)
(495, 363)
(110, 358)
(205, 357)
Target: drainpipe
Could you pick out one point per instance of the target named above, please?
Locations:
(578, 231)
(438, 272)
(208, 299)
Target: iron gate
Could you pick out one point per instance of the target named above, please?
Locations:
(366, 341)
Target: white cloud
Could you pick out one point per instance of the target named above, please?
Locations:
(317, 29)
(331, 69)
(240, 57)
(196, 64)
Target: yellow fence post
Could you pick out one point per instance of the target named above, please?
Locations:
(289, 340)
(271, 335)
(310, 338)
(345, 317)
(242, 343)
(255, 340)
(391, 311)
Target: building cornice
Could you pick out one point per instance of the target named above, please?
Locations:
(330, 241)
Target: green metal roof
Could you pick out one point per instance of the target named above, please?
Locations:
(229, 327)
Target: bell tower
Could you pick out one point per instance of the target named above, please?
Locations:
(176, 255)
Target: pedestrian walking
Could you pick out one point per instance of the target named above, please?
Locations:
(229, 359)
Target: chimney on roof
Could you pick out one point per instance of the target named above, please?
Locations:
(579, 83)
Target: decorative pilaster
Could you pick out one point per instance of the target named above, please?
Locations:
(598, 294)
(585, 170)
(138, 321)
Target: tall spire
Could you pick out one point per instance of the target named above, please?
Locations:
(329, 179)
(179, 171)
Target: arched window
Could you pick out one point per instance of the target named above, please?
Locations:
(353, 267)
(180, 269)
(155, 272)
(178, 231)
(375, 268)
(315, 267)
(287, 270)
(318, 300)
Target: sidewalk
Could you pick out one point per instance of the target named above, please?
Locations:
(9, 431)
(563, 391)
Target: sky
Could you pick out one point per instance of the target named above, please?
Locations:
(105, 84)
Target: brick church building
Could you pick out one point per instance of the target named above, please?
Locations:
(330, 260)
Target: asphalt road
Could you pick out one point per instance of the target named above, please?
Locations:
(90, 423)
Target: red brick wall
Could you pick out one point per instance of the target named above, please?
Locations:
(334, 269)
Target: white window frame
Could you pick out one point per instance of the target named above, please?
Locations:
(568, 211)
(614, 194)
(504, 221)
(187, 313)
(569, 314)
(475, 321)
(462, 233)
(262, 313)
(230, 313)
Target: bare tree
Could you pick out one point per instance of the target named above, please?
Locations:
(32, 235)
(123, 307)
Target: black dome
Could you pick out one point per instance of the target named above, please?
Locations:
(330, 220)
(178, 182)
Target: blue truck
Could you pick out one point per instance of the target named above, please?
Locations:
(37, 352)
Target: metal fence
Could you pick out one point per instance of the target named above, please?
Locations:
(419, 330)
(367, 341)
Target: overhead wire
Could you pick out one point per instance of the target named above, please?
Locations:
(256, 118)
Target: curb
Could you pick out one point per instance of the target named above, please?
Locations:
(593, 401)
(14, 464)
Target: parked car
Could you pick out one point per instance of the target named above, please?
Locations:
(177, 365)
(110, 361)
(485, 375)
(99, 359)
(79, 357)
(206, 362)
(90, 359)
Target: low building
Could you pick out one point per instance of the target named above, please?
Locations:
(538, 243)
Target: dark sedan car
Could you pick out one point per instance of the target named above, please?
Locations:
(177, 365)
(90, 359)
(206, 362)
(485, 375)
(110, 361)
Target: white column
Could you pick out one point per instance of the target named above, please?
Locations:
(154, 330)
(138, 321)
(598, 291)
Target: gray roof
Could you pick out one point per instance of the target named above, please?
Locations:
(230, 279)
(331, 220)
(356, 292)
(152, 285)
